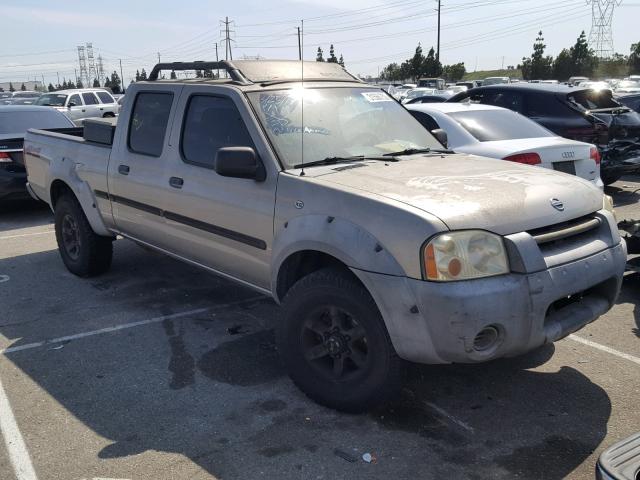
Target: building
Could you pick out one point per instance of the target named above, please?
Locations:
(29, 85)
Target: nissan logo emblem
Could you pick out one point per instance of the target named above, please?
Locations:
(557, 204)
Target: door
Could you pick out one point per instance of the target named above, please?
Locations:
(137, 167)
(221, 222)
(76, 109)
(91, 105)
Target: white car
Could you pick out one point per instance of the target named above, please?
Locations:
(628, 86)
(417, 93)
(79, 104)
(497, 132)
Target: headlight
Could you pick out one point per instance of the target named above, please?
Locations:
(607, 204)
(464, 255)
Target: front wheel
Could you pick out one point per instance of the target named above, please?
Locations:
(334, 343)
(83, 252)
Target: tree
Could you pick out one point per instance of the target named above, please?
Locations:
(23, 88)
(455, 72)
(416, 63)
(96, 83)
(584, 59)
(208, 74)
(634, 59)
(173, 75)
(332, 55)
(80, 84)
(51, 88)
(430, 66)
(341, 61)
(537, 66)
(319, 57)
(107, 83)
(138, 76)
(143, 75)
(11, 89)
(64, 84)
(70, 84)
(616, 66)
(115, 82)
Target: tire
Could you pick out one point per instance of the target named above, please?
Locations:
(334, 343)
(83, 252)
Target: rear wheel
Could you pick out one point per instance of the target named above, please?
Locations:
(83, 252)
(609, 179)
(335, 345)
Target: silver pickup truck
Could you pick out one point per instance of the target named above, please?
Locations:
(380, 245)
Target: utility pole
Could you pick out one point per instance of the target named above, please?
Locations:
(121, 76)
(158, 57)
(299, 46)
(503, 62)
(58, 75)
(438, 51)
(75, 74)
(217, 58)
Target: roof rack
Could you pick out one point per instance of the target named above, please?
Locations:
(235, 74)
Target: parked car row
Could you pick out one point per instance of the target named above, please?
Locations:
(79, 104)
(582, 114)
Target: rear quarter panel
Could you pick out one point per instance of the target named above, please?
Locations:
(82, 166)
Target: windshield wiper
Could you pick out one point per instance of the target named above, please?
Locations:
(352, 158)
(414, 151)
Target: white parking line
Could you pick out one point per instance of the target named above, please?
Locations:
(16, 448)
(604, 348)
(115, 328)
(26, 234)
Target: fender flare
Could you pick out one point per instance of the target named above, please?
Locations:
(84, 194)
(344, 240)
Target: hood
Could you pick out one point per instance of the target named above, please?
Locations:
(466, 191)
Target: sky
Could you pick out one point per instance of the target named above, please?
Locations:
(40, 39)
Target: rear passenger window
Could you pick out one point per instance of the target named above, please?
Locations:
(541, 105)
(211, 123)
(149, 122)
(89, 98)
(75, 99)
(105, 97)
(511, 100)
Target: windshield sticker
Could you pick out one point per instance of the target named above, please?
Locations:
(376, 97)
(275, 109)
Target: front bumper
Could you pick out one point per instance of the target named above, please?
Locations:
(431, 322)
(12, 185)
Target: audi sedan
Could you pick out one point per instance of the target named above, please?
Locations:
(497, 132)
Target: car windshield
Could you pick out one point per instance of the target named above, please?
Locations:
(20, 122)
(52, 99)
(338, 122)
(492, 125)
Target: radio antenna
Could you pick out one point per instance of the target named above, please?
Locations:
(302, 97)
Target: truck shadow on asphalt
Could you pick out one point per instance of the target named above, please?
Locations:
(210, 386)
(631, 294)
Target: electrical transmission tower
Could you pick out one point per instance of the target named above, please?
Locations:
(100, 70)
(601, 35)
(227, 33)
(92, 65)
(82, 62)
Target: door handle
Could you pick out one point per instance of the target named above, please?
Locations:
(83, 110)
(101, 108)
(176, 182)
(123, 169)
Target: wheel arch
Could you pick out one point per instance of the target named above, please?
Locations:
(60, 187)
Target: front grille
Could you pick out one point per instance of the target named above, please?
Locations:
(565, 230)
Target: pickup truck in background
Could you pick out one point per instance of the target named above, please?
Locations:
(380, 244)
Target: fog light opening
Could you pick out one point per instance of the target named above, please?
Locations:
(486, 339)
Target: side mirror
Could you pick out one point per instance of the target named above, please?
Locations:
(71, 104)
(239, 162)
(441, 136)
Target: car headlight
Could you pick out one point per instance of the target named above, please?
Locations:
(607, 204)
(464, 255)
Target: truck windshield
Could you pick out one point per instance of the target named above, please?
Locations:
(52, 99)
(338, 122)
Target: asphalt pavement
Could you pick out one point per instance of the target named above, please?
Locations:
(157, 370)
